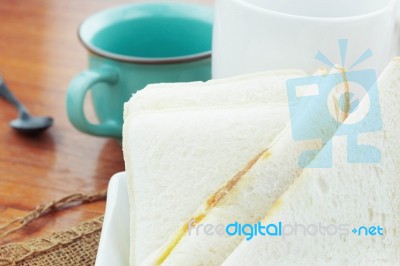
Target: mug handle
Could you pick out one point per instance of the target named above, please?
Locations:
(76, 94)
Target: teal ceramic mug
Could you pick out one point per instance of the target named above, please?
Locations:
(132, 46)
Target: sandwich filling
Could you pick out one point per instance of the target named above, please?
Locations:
(211, 202)
(217, 197)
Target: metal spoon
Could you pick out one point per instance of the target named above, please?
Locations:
(25, 123)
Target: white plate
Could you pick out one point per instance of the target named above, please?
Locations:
(114, 239)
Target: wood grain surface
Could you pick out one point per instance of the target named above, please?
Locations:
(39, 55)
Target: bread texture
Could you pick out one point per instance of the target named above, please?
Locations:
(348, 194)
(180, 157)
(256, 88)
(250, 192)
(182, 141)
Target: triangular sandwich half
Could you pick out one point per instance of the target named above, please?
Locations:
(248, 194)
(345, 215)
(178, 157)
(203, 148)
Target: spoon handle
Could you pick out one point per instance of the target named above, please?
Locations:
(7, 94)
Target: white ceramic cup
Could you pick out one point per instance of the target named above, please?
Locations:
(256, 35)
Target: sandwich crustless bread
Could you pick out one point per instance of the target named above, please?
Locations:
(248, 194)
(182, 141)
(200, 153)
(178, 157)
(181, 147)
(363, 198)
(263, 87)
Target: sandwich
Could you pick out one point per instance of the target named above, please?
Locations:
(250, 192)
(178, 157)
(345, 215)
(182, 141)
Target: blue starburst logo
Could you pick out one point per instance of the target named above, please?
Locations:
(355, 110)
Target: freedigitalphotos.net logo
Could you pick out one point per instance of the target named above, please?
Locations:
(313, 95)
(280, 229)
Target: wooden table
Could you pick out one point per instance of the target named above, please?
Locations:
(39, 55)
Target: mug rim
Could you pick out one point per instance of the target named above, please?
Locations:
(313, 18)
(137, 59)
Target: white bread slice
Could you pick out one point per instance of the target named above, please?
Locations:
(246, 196)
(266, 87)
(352, 194)
(176, 158)
(263, 87)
